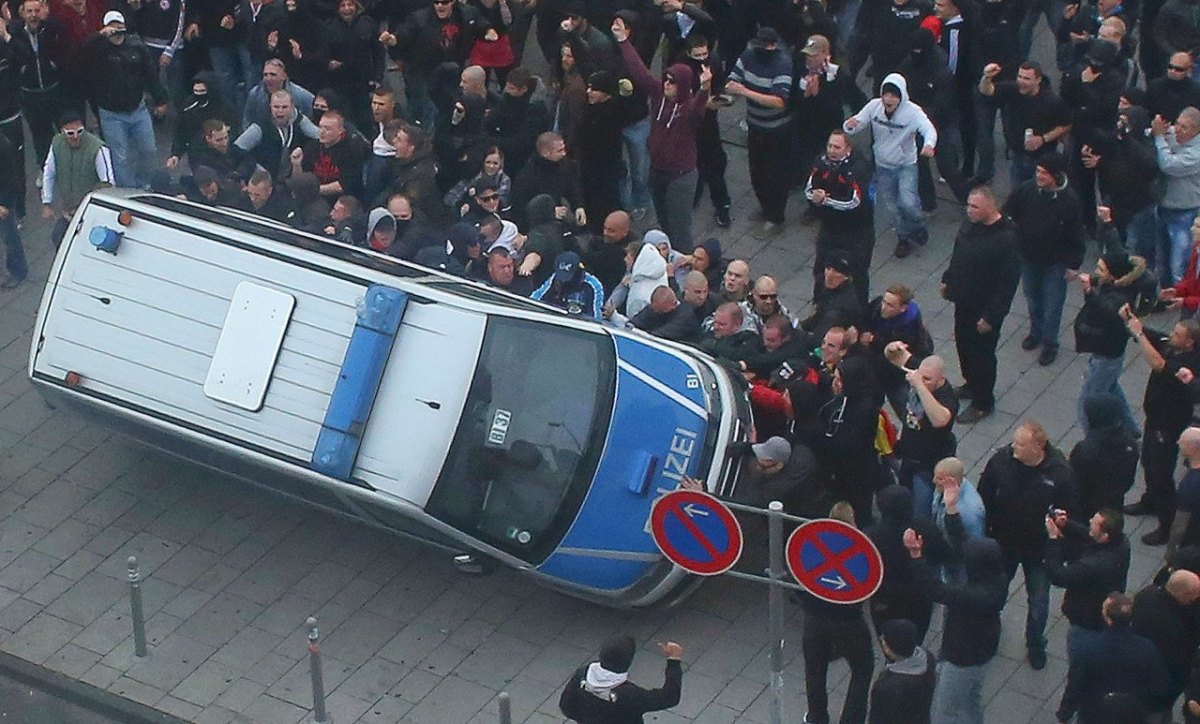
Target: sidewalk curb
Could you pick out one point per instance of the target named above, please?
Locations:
(84, 695)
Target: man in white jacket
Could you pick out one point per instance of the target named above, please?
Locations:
(895, 123)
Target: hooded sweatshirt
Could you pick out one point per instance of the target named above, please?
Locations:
(649, 273)
(894, 136)
(595, 695)
(903, 693)
(972, 627)
(382, 220)
(1105, 460)
(673, 123)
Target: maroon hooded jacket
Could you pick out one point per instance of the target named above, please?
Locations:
(673, 124)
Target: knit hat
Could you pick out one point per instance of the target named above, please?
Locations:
(900, 635)
(617, 654)
(1118, 263)
(603, 81)
(1054, 162)
(774, 449)
(766, 35)
(1102, 53)
(923, 40)
(839, 262)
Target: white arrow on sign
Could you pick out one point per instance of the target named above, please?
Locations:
(693, 511)
(837, 582)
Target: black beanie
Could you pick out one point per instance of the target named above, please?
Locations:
(901, 636)
(617, 654)
(1054, 162)
(1118, 263)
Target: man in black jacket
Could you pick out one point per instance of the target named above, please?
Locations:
(972, 631)
(1165, 614)
(1115, 662)
(825, 94)
(665, 316)
(1100, 568)
(442, 32)
(837, 304)
(1019, 484)
(514, 120)
(903, 693)
(11, 189)
(1100, 327)
(1049, 222)
(601, 693)
(837, 188)
(1167, 404)
(931, 86)
(1126, 165)
(981, 280)
(122, 75)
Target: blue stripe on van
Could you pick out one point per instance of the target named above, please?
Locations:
(358, 381)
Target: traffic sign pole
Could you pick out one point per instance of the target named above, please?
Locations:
(775, 607)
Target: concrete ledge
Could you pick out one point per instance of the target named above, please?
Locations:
(84, 695)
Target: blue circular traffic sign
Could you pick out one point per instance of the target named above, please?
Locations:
(696, 532)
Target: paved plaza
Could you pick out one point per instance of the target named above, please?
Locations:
(230, 573)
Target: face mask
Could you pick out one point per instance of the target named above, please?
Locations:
(317, 113)
(764, 55)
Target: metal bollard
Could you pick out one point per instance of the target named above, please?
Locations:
(314, 668)
(775, 608)
(505, 708)
(135, 604)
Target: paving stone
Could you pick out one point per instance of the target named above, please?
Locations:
(386, 710)
(341, 707)
(101, 676)
(85, 601)
(109, 630)
(453, 699)
(38, 639)
(497, 661)
(28, 570)
(79, 564)
(269, 710)
(220, 619)
(136, 690)
(170, 662)
(373, 680)
(247, 648)
(206, 683)
(48, 589)
(72, 660)
(241, 694)
(64, 539)
(176, 707)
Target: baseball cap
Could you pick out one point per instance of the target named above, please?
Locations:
(112, 16)
(566, 266)
(775, 449)
(765, 35)
(816, 44)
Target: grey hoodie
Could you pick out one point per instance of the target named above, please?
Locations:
(894, 141)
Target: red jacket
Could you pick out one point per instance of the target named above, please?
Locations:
(1188, 288)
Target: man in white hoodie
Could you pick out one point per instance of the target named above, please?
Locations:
(600, 692)
(895, 123)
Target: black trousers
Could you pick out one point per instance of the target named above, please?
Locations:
(1160, 451)
(976, 357)
(826, 641)
(916, 609)
(769, 155)
(14, 131)
(41, 113)
(711, 162)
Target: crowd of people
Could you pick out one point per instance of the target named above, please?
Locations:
(534, 182)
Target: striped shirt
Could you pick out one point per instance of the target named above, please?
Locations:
(773, 78)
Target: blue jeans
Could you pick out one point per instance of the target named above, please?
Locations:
(1046, 293)
(1104, 375)
(130, 138)
(235, 72)
(14, 249)
(635, 188)
(1174, 243)
(1022, 168)
(897, 190)
(419, 105)
(958, 697)
(922, 495)
(1140, 235)
(1037, 592)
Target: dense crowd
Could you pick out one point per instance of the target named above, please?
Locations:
(533, 183)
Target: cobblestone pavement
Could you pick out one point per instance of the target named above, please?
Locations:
(231, 573)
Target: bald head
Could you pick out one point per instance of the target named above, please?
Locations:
(616, 226)
(473, 81)
(1189, 443)
(663, 300)
(1184, 586)
(933, 371)
(736, 281)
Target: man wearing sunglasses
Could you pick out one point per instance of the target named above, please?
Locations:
(1169, 95)
(77, 164)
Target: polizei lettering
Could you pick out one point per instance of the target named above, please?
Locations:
(683, 445)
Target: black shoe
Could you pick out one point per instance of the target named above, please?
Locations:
(1048, 355)
(963, 392)
(1157, 537)
(723, 219)
(1138, 508)
(903, 249)
(973, 415)
(1030, 343)
(1037, 659)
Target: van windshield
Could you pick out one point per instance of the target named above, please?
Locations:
(532, 430)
